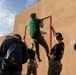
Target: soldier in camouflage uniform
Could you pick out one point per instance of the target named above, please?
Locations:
(32, 64)
(56, 55)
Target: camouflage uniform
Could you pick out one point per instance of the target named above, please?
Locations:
(31, 68)
(55, 67)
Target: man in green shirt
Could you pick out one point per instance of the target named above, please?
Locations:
(35, 34)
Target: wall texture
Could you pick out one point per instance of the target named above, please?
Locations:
(63, 14)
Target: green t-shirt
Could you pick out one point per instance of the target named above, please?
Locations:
(34, 28)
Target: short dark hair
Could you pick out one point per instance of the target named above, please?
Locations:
(18, 35)
(8, 36)
(33, 15)
(58, 36)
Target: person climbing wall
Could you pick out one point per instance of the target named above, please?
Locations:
(35, 34)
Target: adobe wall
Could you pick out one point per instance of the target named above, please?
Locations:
(63, 14)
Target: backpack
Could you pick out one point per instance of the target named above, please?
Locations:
(13, 56)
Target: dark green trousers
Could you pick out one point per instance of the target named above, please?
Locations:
(31, 68)
(55, 67)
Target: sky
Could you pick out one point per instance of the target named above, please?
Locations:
(8, 10)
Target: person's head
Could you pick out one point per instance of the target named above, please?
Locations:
(58, 36)
(75, 46)
(33, 15)
(18, 36)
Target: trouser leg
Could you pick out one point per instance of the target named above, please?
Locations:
(30, 67)
(42, 42)
(37, 50)
(29, 70)
(34, 71)
(54, 68)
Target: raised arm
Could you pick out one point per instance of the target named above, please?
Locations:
(54, 32)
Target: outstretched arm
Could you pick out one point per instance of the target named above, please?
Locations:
(54, 32)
